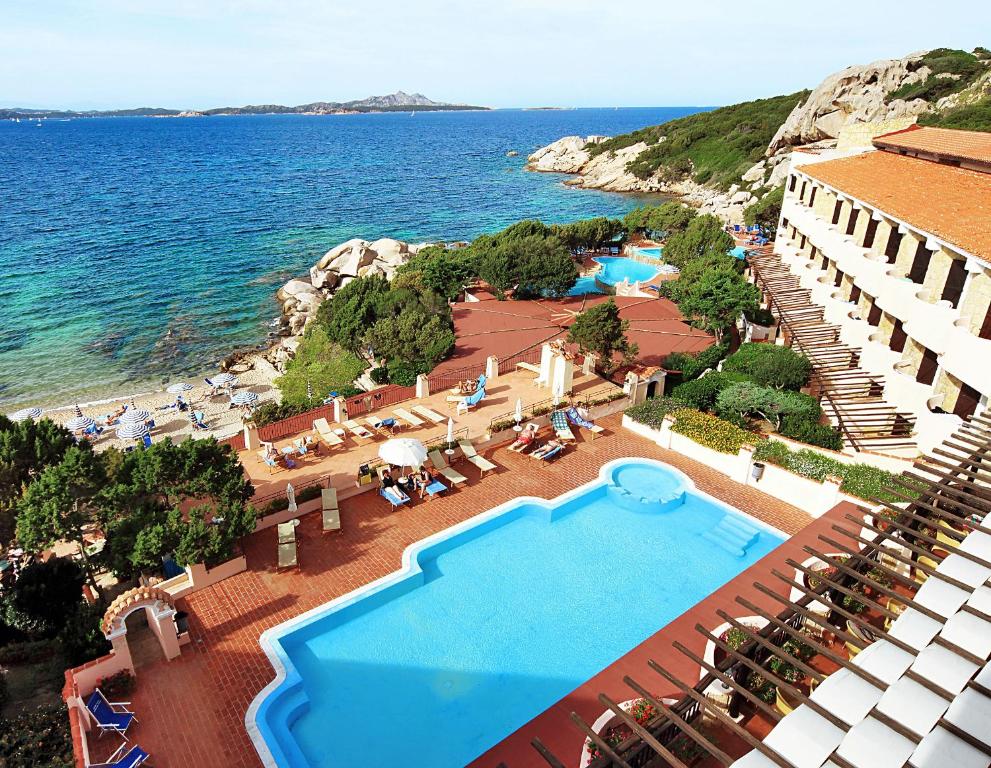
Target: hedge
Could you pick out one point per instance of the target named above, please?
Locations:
(37, 737)
(651, 413)
(711, 431)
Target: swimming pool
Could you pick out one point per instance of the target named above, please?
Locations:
(653, 252)
(489, 622)
(614, 270)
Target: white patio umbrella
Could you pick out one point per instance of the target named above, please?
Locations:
(450, 436)
(25, 413)
(79, 421)
(244, 398)
(558, 392)
(133, 431)
(291, 495)
(403, 452)
(134, 415)
(222, 379)
(178, 388)
(519, 414)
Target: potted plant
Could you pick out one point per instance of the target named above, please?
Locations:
(785, 669)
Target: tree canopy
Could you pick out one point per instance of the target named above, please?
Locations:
(770, 365)
(766, 211)
(600, 330)
(669, 218)
(716, 300)
(703, 237)
(588, 233)
(530, 265)
(352, 310)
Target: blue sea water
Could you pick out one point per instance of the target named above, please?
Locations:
(134, 250)
(497, 627)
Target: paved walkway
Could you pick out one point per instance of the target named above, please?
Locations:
(192, 709)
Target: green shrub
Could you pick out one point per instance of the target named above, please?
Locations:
(766, 211)
(37, 738)
(967, 117)
(379, 375)
(702, 393)
(27, 652)
(964, 68)
(770, 365)
(651, 412)
(403, 374)
(322, 364)
(711, 431)
(761, 316)
(772, 452)
(867, 482)
(82, 639)
(693, 366)
(810, 431)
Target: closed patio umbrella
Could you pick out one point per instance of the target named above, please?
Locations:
(25, 413)
(403, 452)
(518, 416)
(450, 436)
(291, 496)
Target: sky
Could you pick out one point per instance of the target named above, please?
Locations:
(196, 54)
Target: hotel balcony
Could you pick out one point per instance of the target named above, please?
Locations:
(924, 321)
(966, 356)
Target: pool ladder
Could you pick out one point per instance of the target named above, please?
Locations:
(733, 535)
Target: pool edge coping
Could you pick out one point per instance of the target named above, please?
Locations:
(279, 659)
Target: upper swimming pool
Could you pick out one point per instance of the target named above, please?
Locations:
(614, 270)
(489, 622)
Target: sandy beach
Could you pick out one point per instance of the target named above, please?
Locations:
(222, 420)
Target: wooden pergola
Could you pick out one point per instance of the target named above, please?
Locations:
(850, 396)
(945, 496)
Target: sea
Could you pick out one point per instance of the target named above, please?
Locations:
(137, 251)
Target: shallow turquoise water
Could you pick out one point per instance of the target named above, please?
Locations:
(512, 616)
(654, 253)
(133, 250)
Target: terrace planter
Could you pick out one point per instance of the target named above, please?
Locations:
(782, 703)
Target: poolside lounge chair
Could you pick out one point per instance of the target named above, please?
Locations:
(327, 436)
(385, 427)
(110, 716)
(576, 418)
(533, 428)
(547, 455)
(437, 459)
(528, 367)
(560, 424)
(409, 418)
(471, 400)
(134, 756)
(483, 464)
(287, 545)
(394, 495)
(359, 432)
(331, 510)
(427, 413)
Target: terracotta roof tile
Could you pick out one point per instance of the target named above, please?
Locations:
(951, 203)
(943, 142)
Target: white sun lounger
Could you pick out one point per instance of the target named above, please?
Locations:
(287, 545)
(440, 465)
(325, 433)
(331, 510)
(426, 413)
(359, 432)
(409, 418)
(483, 464)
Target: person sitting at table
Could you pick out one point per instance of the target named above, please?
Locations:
(546, 448)
(386, 477)
(467, 387)
(270, 452)
(421, 480)
(525, 438)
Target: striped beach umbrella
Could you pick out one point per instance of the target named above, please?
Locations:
(133, 431)
(223, 379)
(178, 388)
(25, 413)
(79, 421)
(244, 398)
(134, 415)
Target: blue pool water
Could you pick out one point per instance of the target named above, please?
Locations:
(739, 252)
(654, 253)
(614, 270)
(496, 619)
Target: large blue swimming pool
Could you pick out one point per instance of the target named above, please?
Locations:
(492, 621)
(614, 270)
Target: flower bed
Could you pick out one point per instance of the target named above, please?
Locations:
(711, 431)
(640, 710)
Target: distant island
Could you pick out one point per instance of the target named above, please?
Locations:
(393, 102)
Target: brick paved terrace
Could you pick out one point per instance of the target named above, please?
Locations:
(192, 709)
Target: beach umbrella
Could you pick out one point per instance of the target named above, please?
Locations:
(133, 431)
(25, 413)
(519, 414)
(450, 435)
(244, 398)
(223, 379)
(291, 495)
(403, 452)
(178, 388)
(134, 415)
(79, 421)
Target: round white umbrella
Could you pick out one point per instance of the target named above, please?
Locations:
(178, 388)
(79, 421)
(25, 413)
(224, 378)
(134, 415)
(519, 414)
(244, 398)
(133, 431)
(403, 452)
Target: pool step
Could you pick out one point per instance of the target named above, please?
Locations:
(637, 503)
(733, 535)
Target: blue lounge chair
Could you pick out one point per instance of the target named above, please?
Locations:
(395, 497)
(555, 451)
(576, 418)
(199, 416)
(146, 440)
(134, 756)
(109, 716)
(471, 400)
(481, 381)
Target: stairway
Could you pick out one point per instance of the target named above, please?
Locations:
(733, 535)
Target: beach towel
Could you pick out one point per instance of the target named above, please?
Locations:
(575, 418)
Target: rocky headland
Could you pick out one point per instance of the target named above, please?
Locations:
(856, 95)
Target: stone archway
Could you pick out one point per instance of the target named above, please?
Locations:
(160, 611)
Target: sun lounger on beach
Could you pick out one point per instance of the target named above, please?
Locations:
(385, 427)
(576, 418)
(437, 459)
(483, 464)
(426, 413)
(560, 424)
(287, 545)
(409, 418)
(331, 510)
(327, 436)
(359, 432)
(198, 422)
(394, 496)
